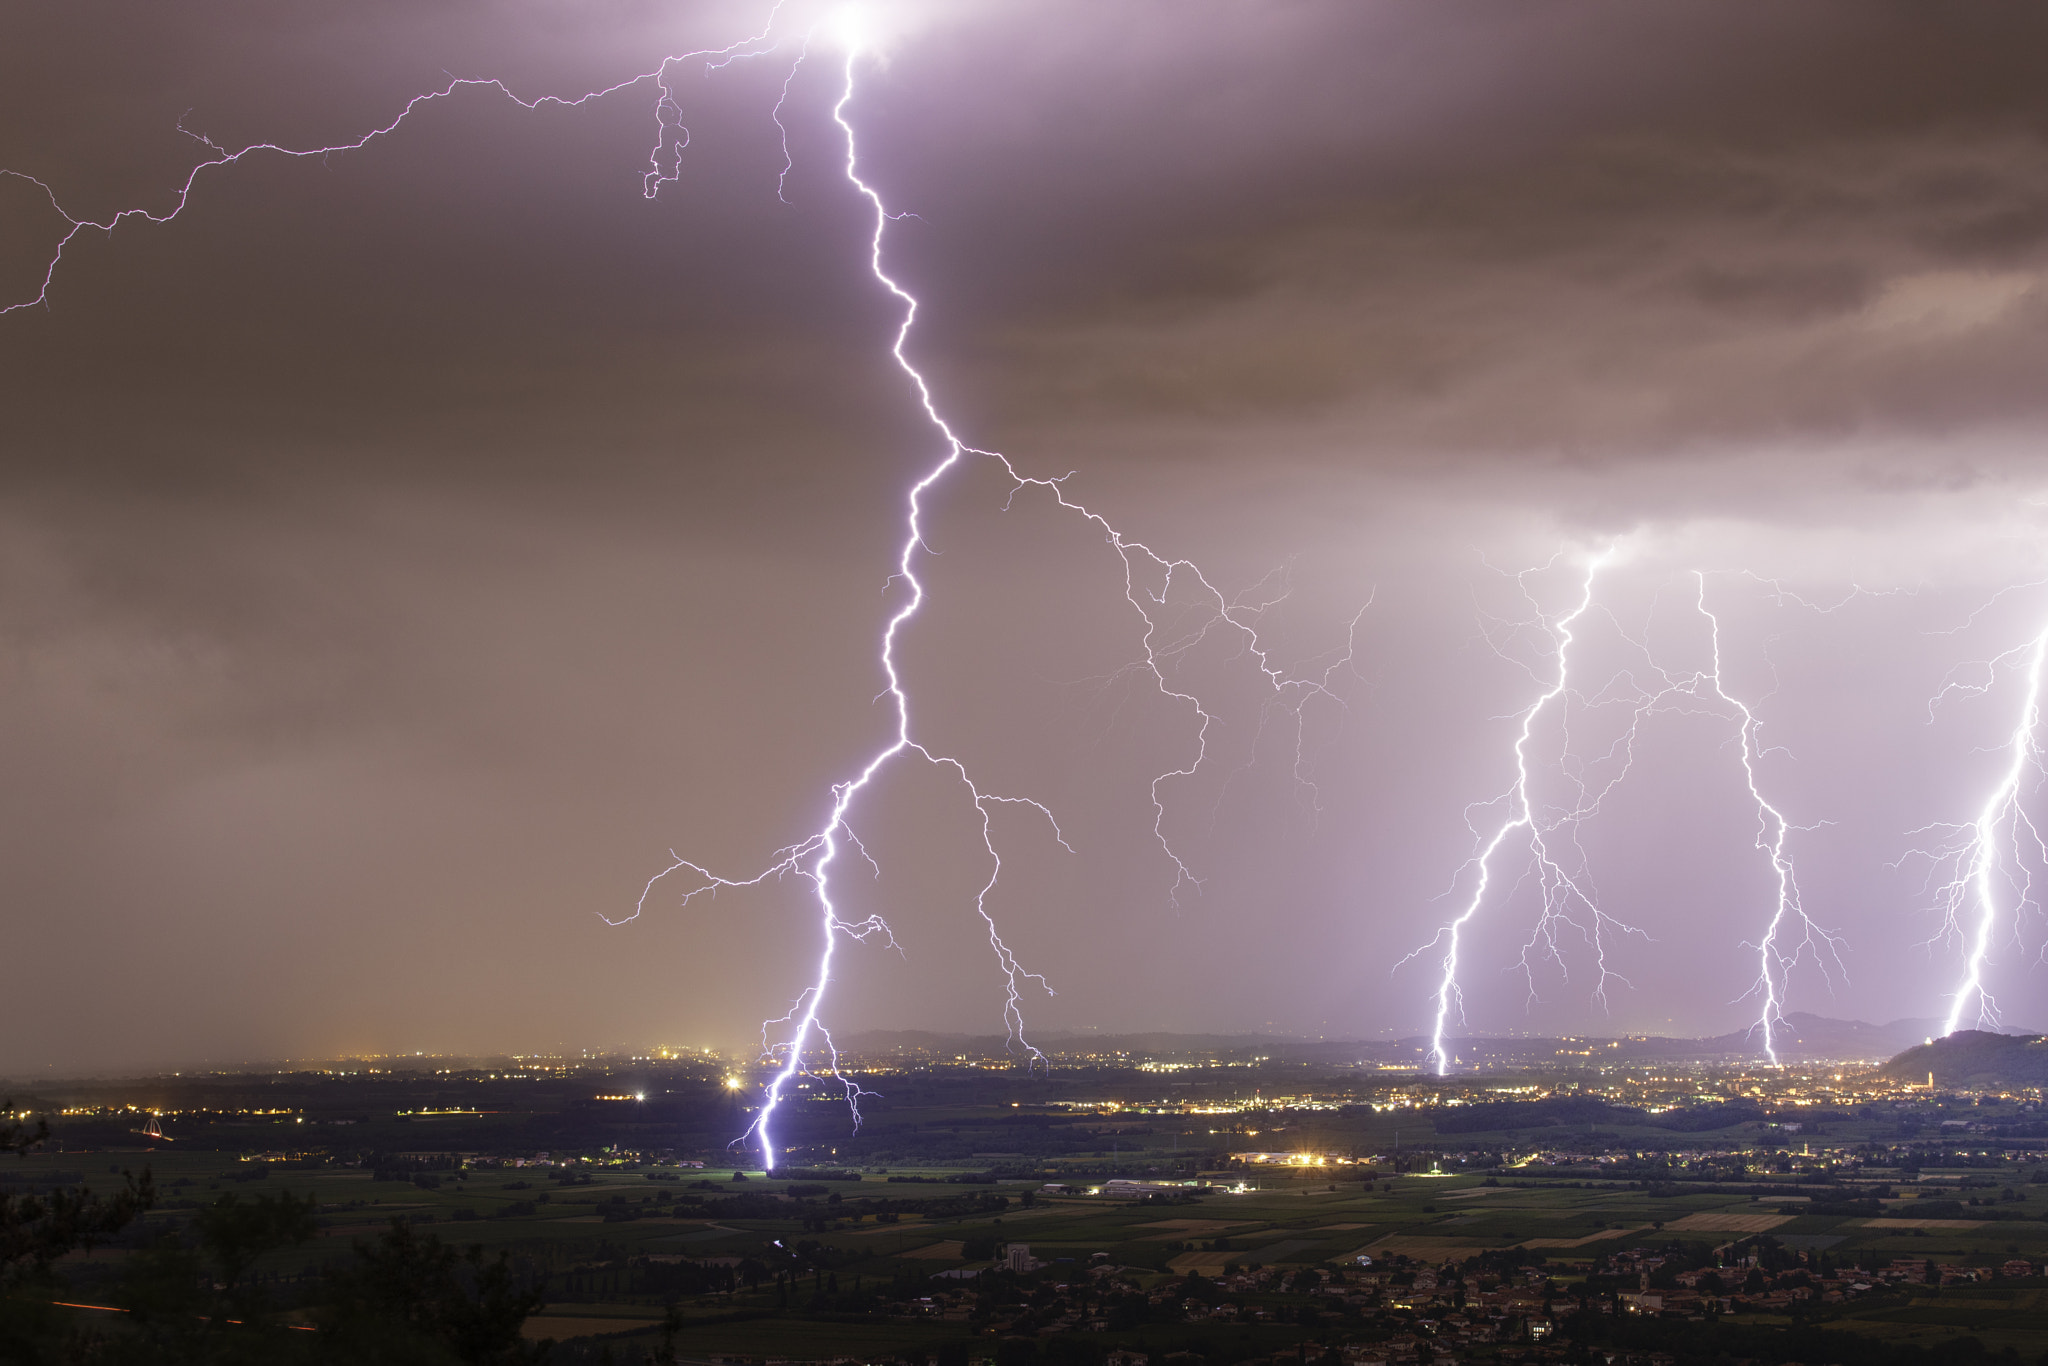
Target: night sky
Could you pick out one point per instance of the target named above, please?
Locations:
(401, 552)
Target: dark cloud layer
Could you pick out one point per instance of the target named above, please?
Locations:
(400, 552)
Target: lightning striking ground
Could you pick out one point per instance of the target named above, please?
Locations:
(813, 858)
(1986, 859)
(1559, 889)
(1154, 583)
(1790, 935)
(1568, 902)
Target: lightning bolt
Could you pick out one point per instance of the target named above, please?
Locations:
(1149, 582)
(1161, 589)
(1778, 950)
(663, 160)
(1975, 855)
(1567, 899)
(1560, 891)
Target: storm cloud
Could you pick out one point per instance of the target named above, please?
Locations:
(401, 551)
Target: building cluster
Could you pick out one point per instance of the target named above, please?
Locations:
(1411, 1315)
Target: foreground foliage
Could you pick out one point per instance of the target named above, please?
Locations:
(406, 1299)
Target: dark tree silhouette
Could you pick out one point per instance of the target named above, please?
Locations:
(15, 1135)
(410, 1300)
(37, 1228)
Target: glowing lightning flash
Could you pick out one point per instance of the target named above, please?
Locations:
(1558, 888)
(1775, 960)
(1568, 902)
(1976, 852)
(825, 843)
(1151, 580)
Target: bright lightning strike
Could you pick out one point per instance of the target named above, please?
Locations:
(1156, 586)
(1986, 859)
(1790, 935)
(1568, 903)
(813, 858)
(1565, 898)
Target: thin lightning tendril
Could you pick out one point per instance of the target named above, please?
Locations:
(663, 161)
